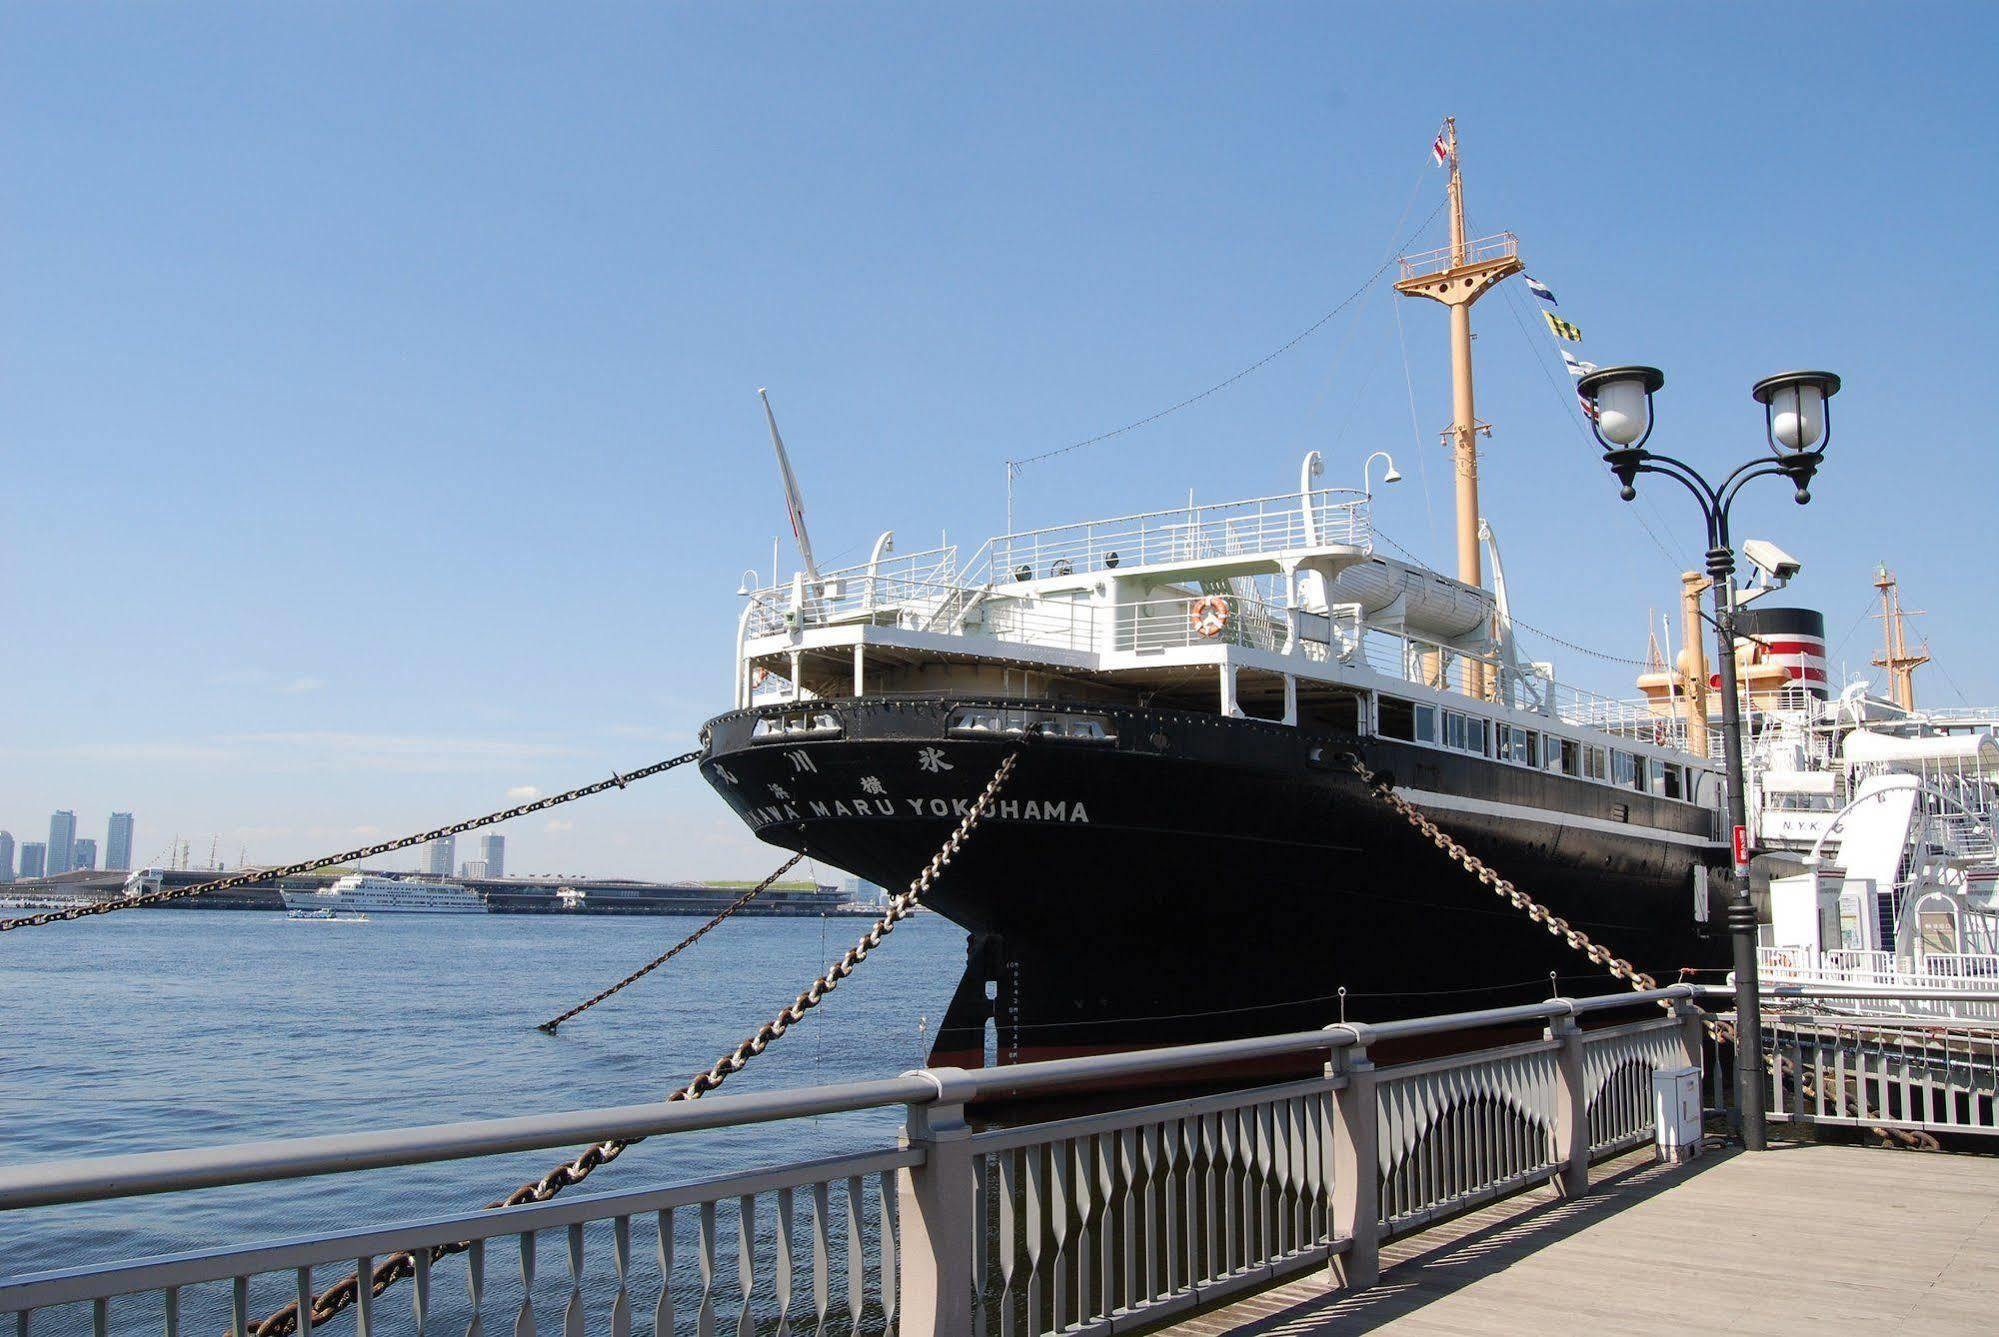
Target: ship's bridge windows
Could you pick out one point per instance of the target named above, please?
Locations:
(1626, 770)
(1563, 755)
(1396, 718)
(1466, 733)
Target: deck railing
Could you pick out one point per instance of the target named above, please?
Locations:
(1087, 1224)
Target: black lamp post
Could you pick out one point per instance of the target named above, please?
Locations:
(1798, 427)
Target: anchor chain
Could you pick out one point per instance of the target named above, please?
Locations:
(1539, 913)
(554, 1023)
(617, 781)
(346, 1291)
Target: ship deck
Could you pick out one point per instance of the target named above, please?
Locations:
(1806, 1237)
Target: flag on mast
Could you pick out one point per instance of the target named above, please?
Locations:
(1440, 150)
(1577, 367)
(1540, 290)
(1561, 328)
(793, 502)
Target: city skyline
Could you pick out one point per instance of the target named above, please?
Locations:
(65, 849)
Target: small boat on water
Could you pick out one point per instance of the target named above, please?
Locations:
(325, 916)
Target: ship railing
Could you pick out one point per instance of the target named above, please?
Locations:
(1185, 535)
(1087, 1224)
(1485, 250)
(1486, 677)
(1066, 622)
(1885, 980)
(1213, 619)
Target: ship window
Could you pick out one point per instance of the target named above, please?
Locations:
(1627, 771)
(1518, 744)
(1565, 755)
(1672, 782)
(1397, 719)
(1475, 732)
(1593, 763)
(1454, 729)
(1426, 724)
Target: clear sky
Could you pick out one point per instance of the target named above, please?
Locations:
(378, 381)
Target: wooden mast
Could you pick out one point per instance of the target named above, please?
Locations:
(1458, 276)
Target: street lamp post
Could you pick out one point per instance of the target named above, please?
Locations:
(1797, 427)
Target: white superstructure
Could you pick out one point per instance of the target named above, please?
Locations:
(366, 893)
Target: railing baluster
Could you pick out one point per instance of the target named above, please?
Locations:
(572, 1314)
(782, 1277)
(304, 1297)
(524, 1320)
(475, 1282)
(364, 1296)
(746, 1261)
(857, 1262)
(1107, 1280)
(1170, 1207)
(1009, 1233)
(1127, 1142)
(420, 1289)
(239, 1309)
(1083, 1177)
(981, 1248)
(1036, 1220)
(662, 1310)
(621, 1265)
(891, 1244)
(1062, 1193)
(100, 1319)
(822, 1256)
(1149, 1159)
(171, 1300)
(704, 1318)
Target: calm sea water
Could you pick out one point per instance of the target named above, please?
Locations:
(157, 1030)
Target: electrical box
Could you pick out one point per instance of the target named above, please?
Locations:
(1676, 1103)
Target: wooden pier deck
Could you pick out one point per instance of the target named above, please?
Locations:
(1805, 1238)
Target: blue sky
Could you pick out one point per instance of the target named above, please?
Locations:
(378, 381)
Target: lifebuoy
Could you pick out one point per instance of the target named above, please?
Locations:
(759, 675)
(1209, 615)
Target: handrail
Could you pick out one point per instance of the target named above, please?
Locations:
(42, 1184)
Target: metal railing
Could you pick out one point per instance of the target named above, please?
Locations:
(1498, 246)
(1934, 985)
(1188, 534)
(1208, 619)
(1075, 1225)
(1932, 1079)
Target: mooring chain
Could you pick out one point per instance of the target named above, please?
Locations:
(1539, 913)
(344, 1292)
(555, 1023)
(245, 878)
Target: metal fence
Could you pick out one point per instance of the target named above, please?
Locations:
(1078, 1225)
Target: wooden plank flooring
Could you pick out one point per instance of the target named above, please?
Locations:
(1804, 1238)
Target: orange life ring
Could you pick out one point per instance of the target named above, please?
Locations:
(759, 675)
(1209, 615)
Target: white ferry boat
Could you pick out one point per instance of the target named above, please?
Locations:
(365, 893)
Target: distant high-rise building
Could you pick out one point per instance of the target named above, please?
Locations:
(440, 856)
(34, 856)
(62, 843)
(472, 868)
(118, 844)
(493, 850)
(6, 856)
(83, 855)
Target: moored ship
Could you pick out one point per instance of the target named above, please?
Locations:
(366, 893)
(1187, 848)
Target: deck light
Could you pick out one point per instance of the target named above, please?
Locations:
(1394, 475)
(1623, 399)
(1794, 408)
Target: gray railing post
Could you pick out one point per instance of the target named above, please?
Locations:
(936, 1201)
(1571, 1178)
(1356, 1168)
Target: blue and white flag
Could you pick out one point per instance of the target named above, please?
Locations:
(1577, 367)
(1540, 290)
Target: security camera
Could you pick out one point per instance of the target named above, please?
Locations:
(1771, 560)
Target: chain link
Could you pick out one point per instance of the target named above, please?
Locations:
(1502, 887)
(244, 879)
(344, 1292)
(555, 1023)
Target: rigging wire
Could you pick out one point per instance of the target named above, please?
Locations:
(1261, 362)
(1675, 554)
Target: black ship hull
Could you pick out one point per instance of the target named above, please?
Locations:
(1196, 878)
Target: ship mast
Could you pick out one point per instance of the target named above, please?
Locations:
(1457, 276)
(1895, 656)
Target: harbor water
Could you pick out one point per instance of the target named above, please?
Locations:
(162, 1029)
